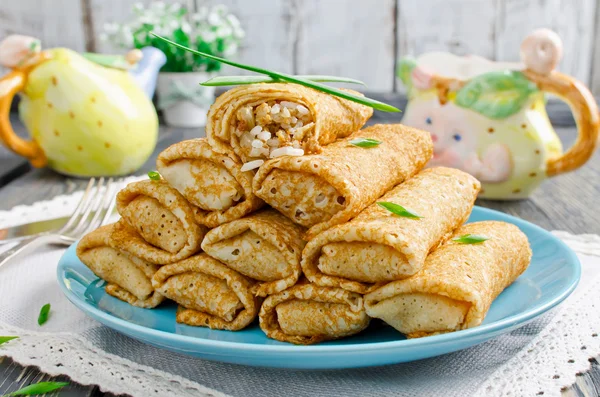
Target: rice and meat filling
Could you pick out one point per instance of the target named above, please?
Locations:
(273, 129)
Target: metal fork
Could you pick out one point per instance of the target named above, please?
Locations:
(94, 209)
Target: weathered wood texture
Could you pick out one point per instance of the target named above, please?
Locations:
(356, 38)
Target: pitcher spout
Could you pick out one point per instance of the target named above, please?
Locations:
(146, 71)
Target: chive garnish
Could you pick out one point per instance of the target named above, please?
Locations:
(291, 79)
(365, 142)
(155, 176)
(38, 388)
(399, 210)
(44, 312)
(242, 80)
(4, 339)
(470, 239)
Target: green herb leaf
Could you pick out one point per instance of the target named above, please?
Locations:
(155, 176)
(43, 317)
(496, 95)
(471, 239)
(4, 339)
(365, 142)
(242, 80)
(38, 388)
(291, 79)
(399, 210)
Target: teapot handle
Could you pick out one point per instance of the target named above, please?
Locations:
(541, 51)
(9, 86)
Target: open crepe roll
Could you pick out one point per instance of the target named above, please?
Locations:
(157, 223)
(307, 314)
(458, 283)
(259, 120)
(265, 246)
(213, 183)
(128, 278)
(211, 294)
(320, 191)
(378, 246)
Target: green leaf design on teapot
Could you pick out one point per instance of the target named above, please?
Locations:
(496, 95)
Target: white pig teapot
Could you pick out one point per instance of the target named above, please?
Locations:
(489, 118)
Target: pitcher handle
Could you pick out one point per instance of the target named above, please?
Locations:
(10, 84)
(541, 51)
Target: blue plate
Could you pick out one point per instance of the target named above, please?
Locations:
(551, 277)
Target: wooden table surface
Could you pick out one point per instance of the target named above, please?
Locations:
(566, 202)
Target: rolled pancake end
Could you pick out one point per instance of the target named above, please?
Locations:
(378, 246)
(264, 246)
(457, 284)
(306, 313)
(212, 182)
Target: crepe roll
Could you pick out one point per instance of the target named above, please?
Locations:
(327, 189)
(379, 246)
(458, 283)
(213, 183)
(209, 293)
(262, 121)
(128, 278)
(264, 246)
(306, 314)
(157, 223)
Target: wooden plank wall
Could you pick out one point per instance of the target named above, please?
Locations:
(356, 38)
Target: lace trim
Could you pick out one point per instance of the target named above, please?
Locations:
(69, 354)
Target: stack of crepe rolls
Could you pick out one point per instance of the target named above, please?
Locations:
(307, 314)
(209, 294)
(264, 246)
(216, 185)
(157, 223)
(262, 121)
(329, 253)
(458, 283)
(379, 246)
(128, 277)
(327, 189)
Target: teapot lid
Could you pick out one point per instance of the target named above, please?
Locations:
(462, 68)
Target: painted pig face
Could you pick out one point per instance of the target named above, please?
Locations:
(453, 139)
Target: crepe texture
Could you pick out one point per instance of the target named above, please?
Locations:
(128, 278)
(320, 191)
(157, 223)
(334, 117)
(264, 246)
(378, 246)
(458, 283)
(213, 183)
(210, 294)
(306, 314)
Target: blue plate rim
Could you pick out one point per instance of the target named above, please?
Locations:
(457, 336)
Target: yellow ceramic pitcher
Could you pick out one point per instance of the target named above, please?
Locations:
(489, 118)
(84, 119)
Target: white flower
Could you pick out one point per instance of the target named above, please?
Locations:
(138, 8)
(233, 21)
(186, 28)
(208, 36)
(230, 50)
(224, 31)
(214, 19)
(239, 33)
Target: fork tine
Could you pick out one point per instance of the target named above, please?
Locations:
(111, 204)
(80, 206)
(94, 204)
(100, 211)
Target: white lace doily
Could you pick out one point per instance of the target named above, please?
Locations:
(543, 356)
